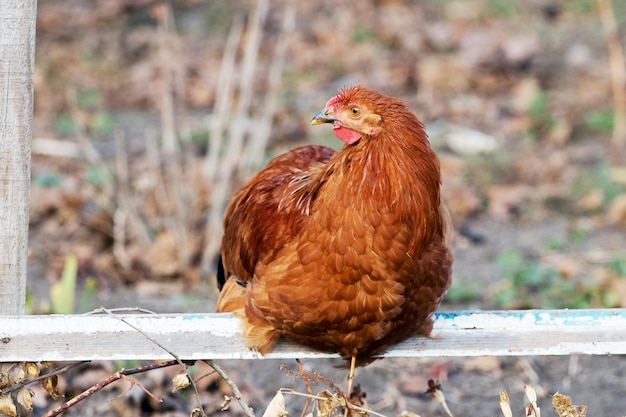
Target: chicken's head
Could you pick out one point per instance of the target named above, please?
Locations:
(352, 114)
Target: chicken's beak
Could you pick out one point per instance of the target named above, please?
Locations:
(322, 117)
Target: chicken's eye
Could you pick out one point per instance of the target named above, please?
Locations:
(355, 111)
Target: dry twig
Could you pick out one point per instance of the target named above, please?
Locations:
(121, 374)
(237, 127)
(176, 358)
(174, 168)
(223, 101)
(263, 125)
(244, 405)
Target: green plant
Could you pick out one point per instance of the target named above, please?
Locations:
(88, 99)
(463, 292)
(218, 18)
(93, 119)
(362, 33)
(580, 6)
(62, 292)
(481, 171)
(600, 121)
(46, 180)
(64, 125)
(597, 178)
(199, 140)
(526, 283)
(540, 117)
(503, 8)
(555, 243)
(98, 176)
(89, 293)
(577, 235)
(102, 123)
(618, 265)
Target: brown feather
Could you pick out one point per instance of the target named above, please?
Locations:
(342, 251)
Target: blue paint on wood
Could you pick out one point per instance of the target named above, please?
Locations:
(541, 317)
(196, 316)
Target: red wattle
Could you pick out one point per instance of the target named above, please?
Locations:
(349, 136)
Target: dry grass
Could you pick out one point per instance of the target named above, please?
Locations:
(163, 207)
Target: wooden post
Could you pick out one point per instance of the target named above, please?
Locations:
(17, 66)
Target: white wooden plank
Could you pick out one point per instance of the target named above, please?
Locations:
(218, 336)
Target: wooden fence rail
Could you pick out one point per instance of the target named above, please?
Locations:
(218, 336)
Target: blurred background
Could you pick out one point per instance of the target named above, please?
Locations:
(149, 114)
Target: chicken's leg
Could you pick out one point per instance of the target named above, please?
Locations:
(351, 376)
(350, 379)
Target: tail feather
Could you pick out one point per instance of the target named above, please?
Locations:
(258, 333)
(232, 298)
(221, 273)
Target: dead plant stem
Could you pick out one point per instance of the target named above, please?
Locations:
(260, 136)
(174, 355)
(237, 127)
(112, 378)
(174, 169)
(244, 405)
(618, 79)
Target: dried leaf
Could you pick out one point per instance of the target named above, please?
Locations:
(181, 381)
(592, 201)
(49, 384)
(435, 389)
(7, 408)
(162, 257)
(44, 200)
(32, 369)
(505, 404)
(616, 213)
(276, 407)
(531, 394)
(226, 403)
(358, 397)
(563, 405)
(441, 399)
(567, 265)
(328, 406)
(507, 198)
(11, 373)
(25, 398)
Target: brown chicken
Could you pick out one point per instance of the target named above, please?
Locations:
(340, 251)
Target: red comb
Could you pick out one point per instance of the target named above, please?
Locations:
(345, 94)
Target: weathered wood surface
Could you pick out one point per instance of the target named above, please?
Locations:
(217, 336)
(17, 67)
